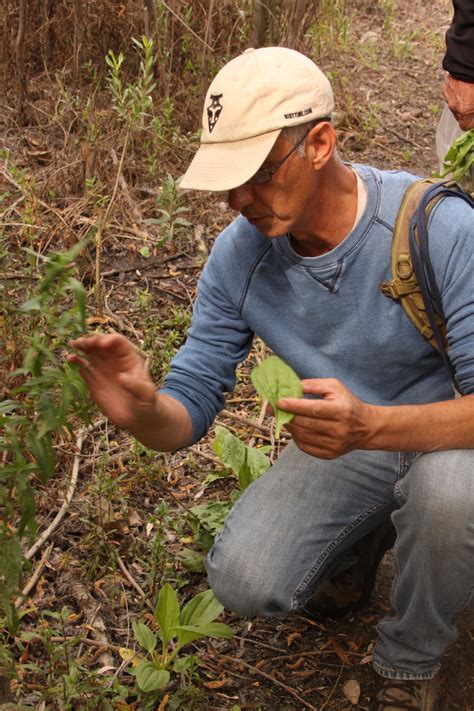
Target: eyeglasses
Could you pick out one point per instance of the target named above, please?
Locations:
(264, 175)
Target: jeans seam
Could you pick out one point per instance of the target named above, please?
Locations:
(334, 544)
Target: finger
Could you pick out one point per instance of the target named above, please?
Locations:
(100, 341)
(320, 409)
(75, 359)
(314, 424)
(324, 387)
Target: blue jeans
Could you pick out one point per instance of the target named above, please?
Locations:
(294, 527)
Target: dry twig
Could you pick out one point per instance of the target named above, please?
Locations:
(287, 688)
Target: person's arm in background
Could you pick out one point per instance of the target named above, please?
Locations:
(458, 87)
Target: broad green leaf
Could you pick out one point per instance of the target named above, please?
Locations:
(149, 678)
(185, 664)
(201, 609)
(145, 637)
(274, 379)
(33, 304)
(257, 461)
(167, 612)
(192, 560)
(189, 633)
(212, 515)
(247, 463)
(229, 449)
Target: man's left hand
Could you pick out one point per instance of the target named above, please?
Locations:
(335, 423)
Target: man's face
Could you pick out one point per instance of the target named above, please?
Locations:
(281, 205)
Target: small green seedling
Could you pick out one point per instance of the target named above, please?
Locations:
(176, 629)
(273, 379)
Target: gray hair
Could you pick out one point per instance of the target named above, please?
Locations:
(295, 134)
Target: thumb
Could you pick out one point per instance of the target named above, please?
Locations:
(141, 388)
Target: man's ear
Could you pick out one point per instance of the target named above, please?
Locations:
(320, 144)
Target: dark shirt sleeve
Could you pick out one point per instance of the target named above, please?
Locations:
(459, 57)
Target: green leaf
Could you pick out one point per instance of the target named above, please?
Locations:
(149, 678)
(145, 637)
(274, 379)
(189, 633)
(192, 560)
(145, 251)
(201, 609)
(257, 461)
(33, 304)
(229, 449)
(211, 515)
(167, 612)
(185, 664)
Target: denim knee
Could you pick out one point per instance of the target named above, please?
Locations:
(238, 585)
(437, 497)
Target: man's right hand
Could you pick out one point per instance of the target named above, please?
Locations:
(459, 96)
(117, 378)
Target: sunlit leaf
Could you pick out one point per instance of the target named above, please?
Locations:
(274, 379)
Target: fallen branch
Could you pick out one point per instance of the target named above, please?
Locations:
(288, 689)
(132, 581)
(85, 602)
(136, 214)
(70, 493)
(35, 577)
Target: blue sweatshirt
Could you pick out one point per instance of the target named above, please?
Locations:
(325, 316)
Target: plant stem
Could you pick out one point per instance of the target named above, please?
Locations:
(102, 224)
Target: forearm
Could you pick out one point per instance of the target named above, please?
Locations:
(423, 428)
(167, 429)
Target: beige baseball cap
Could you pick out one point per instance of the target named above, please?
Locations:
(247, 105)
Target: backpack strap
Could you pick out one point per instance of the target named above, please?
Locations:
(413, 282)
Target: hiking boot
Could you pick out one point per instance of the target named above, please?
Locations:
(351, 590)
(407, 694)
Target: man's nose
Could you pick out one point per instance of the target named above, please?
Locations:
(240, 197)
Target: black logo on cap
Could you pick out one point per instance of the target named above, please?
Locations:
(214, 110)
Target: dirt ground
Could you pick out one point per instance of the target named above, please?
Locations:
(388, 78)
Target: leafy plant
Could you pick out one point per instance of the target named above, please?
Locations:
(48, 395)
(247, 463)
(459, 160)
(170, 209)
(274, 379)
(133, 102)
(177, 628)
(207, 520)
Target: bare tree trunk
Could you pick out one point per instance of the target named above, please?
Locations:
(6, 695)
(78, 39)
(20, 62)
(149, 12)
(47, 6)
(295, 22)
(258, 31)
(208, 38)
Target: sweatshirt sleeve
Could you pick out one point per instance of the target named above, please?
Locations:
(451, 247)
(459, 57)
(218, 339)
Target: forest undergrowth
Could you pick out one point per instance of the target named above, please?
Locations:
(103, 599)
